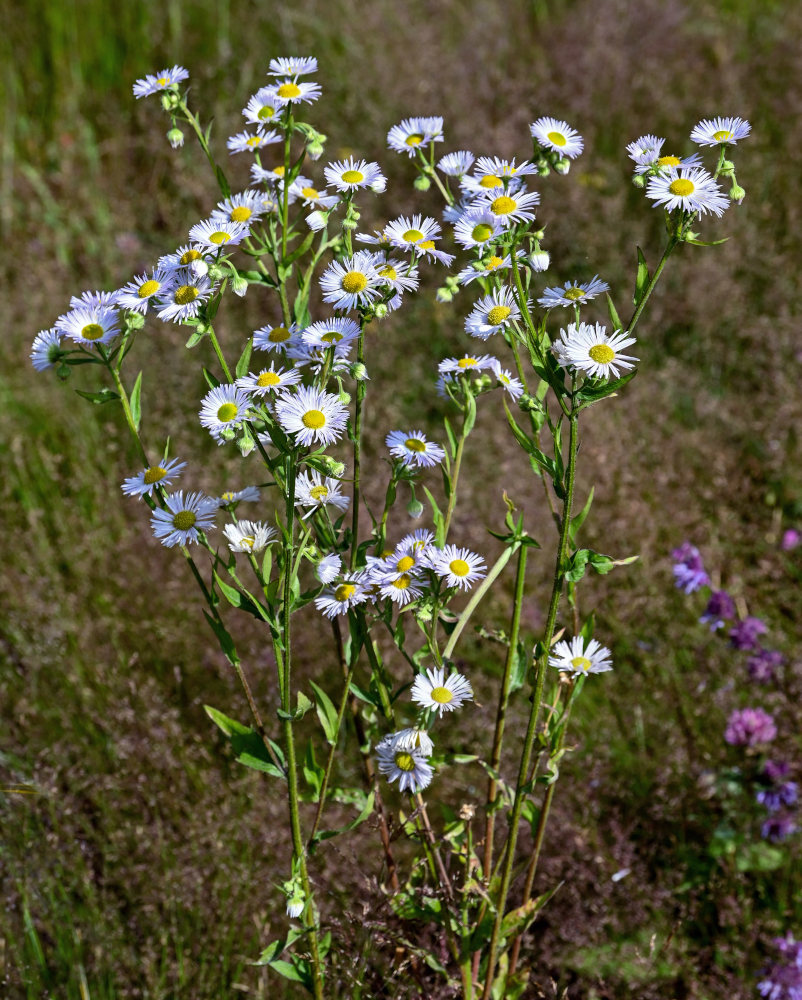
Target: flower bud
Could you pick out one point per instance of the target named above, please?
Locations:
(239, 285)
(216, 272)
(444, 295)
(170, 100)
(422, 183)
(295, 906)
(562, 166)
(331, 466)
(529, 403)
(539, 235)
(415, 508)
(317, 221)
(543, 169)
(315, 150)
(175, 137)
(199, 267)
(380, 311)
(379, 185)
(134, 320)
(345, 397)
(639, 181)
(63, 372)
(349, 223)
(539, 260)
(227, 433)
(737, 194)
(358, 371)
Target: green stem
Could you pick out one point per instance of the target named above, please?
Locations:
(360, 396)
(672, 242)
(453, 480)
(126, 405)
(476, 597)
(219, 354)
(332, 751)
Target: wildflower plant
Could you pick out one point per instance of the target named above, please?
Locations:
(397, 602)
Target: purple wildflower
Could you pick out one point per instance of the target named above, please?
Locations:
(763, 664)
(784, 980)
(791, 538)
(689, 572)
(773, 799)
(745, 633)
(747, 727)
(774, 770)
(776, 828)
(719, 608)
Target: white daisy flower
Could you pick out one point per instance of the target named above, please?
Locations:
(94, 300)
(477, 228)
(433, 690)
(405, 764)
(456, 164)
(46, 349)
(401, 588)
(183, 519)
(559, 136)
(340, 599)
(398, 275)
(573, 294)
(654, 162)
(508, 206)
(215, 234)
(155, 82)
(577, 658)
(137, 294)
(692, 190)
(184, 299)
(413, 133)
(269, 380)
(185, 256)
(293, 66)
(413, 449)
(261, 108)
(274, 338)
(720, 131)
(328, 568)
(90, 327)
(415, 543)
(314, 416)
(268, 175)
(302, 188)
(225, 406)
(414, 739)
(492, 172)
(292, 92)
(588, 348)
(351, 174)
(242, 208)
(493, 313)
(314, 490)
(506, 379)
(248, 536)
(458, 567)
(339, 333)
(249, 142)
(351, 282)
(645, 145)
(467, 363)
(148, 479)
(483, 269)
(248, 494)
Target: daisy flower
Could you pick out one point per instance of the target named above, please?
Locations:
(136, 295)
(94, 300)
(352, 282)
(314, 416)
(340, 599)
(155, 82)
(720, 131)
(588, 348)
(401, 588)
(653, 162)
(185, 299)
(405, 764)
(313, 490)
(398, 275)
(185, 256)
(477, 228)
(458, 567)
(240, 208)
(249, 142)
(577, 658)
(645, 145)
(559, 136)
(351, 174)
(339, 333)
(456, 164)
(290, 92)
(90, 326)
(573, 294)
(215, 234)
(248, 536)
(493, 313)
(414, 132)
(508, 206)
(225, 406)
(413, 449)
(148, 479)
(483, 269)
(491, 172)
(414, 739)
(294, 66)
(433, 690)
(248, 494)
(268, 380)
(274, 338)
(692, 190)
(183, 519)
(505, 378)
(405, 233)
(261, 108)
(328, 568)
(312, 198)
(46, 349)
(467, 363)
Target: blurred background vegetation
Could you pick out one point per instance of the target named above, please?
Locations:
(137, 859)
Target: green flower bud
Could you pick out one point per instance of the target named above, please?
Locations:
(539, 260)
(134, 320)
(331, 466)
(358, 371)
(639, 181)
(422, 183)
(380, 311)
(175, 137)
(562, 166)
(315, 150)
(239, 285)
(170, 100)
(737, 194)
(63, 372)
(345, 397)
(217, 273)
(228, 433)
(444, 295)
(529, 404)
(415, 508)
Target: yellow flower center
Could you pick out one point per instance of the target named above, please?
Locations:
(723, 135)
(184, 520)
(154, 474)
(669, 161)
(442, 695)
(556, 138)
(459, 567)
(490, 181)
(227, 412)
(219, 237)
(466, 362)
(188, 256)
(481, 232)
(388, 272)
(344, 591)
(415, 444)
(268, 378)
(498, 314)
(353, 177)
(573, 294)
(254, 141)
(581, 664)
(354, 282)
(404, 563)
(319, 492)
(288, 91)
(412, 235)
(278, 171)
(426, 245)
(415, 139)
(266, 112)
(404, 761)
(494, 262)
(603, 354)
(402, 582)
(92, 331)
(163, 81)
(240, 214)
(311, 193)
(332, 337)
(185, 294)
(314, 419)
(682, 187)
(147, 288)
(278, 335)
(503, 205)
(249, 540)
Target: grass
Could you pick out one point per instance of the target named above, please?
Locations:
(137, 859)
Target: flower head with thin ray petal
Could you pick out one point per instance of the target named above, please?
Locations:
(720, 131)
(183, 519)
(288, 92)
(242, 208)
(185, 297)
(549, 133)
(456, 164)
(351, 282)
(458, 567)
(262, 107)
(413, 449)
(160, 475)
(407, 764)
(476, 228)
(269, 380)
(345, 595)
(292, 66)
(588, 348)
(508, 206)
(433, 689)
(573, 293)
(493, 313)
(413, 133)
(690, 189)
(314, 490)
(249, 142)
(578, 657)
(313, 416)
(140, 291)
(225, 406)
(248, 536)
(153, 83)
(214, 234)
(46, 349)
(351, 174)
(90, 327)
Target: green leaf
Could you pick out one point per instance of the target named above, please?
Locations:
(248, 746)
(299, 251)
(603, 564)
(244, 360)
(303, 705)
(313, 772)
(579, 519)
(222, 182)
(100, 397)
(194, 339)
(437, 515)
(135, 401)
(291, 971)
(642, 277)
(703, 243)
(516, 921)
(615, 319)
(327, 713)
(224, 638)
(365, 812)
(211, 380)
(577, 564)
(241, 599)
(593, 393)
